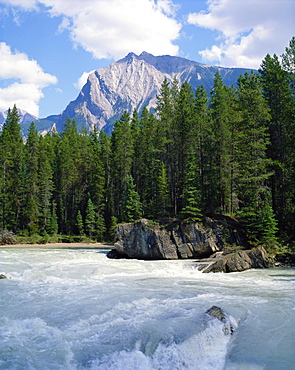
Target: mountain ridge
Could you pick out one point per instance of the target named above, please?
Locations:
(132, 82)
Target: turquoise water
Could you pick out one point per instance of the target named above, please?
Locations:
(76, 309)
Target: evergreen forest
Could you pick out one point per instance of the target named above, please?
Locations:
(229, 152)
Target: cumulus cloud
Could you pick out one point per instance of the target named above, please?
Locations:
(247, 30)
(25, 4)
(112, 28)
(25, 80)
(82, 80)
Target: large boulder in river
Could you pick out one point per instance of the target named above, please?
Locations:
(216, 312)
(241, 260)
(147, 240)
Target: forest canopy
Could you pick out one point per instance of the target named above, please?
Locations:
(229, 152)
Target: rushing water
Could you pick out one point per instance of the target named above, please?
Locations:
(76, 309)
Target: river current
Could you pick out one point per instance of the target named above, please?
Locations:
(75, 309)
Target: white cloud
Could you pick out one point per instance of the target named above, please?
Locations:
(25, 79)
(112, 28)
(25, 4)
(82, 80)
(248, 30)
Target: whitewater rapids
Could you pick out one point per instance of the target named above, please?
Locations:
(76, 309)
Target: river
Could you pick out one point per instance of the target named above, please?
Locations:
(76, 309)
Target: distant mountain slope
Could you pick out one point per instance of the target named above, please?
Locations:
(131, 82)
(25, 120)
(134, 82)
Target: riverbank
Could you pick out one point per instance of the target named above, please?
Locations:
(61, 245)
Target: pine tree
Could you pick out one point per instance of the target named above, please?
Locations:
(277, 92)
(122, 155)
(45, 182)
(191, 197)
(30, 206)
(79, 223)
(90, 219)
(162, 200)
(204, 146)
(253, 141)
(222, 111)
(53, 222)
(12, 163)
(185, 139)
(146, 161)
(132, 208)
(105, 159)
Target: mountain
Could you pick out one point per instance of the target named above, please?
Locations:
(25, 120)
(130, 83)
(134, 82)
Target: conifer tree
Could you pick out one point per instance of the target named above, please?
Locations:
(277, 91)
(185, 139)
(122, 155)
(53, 222)
(162, 200)
(79, 223)
(204, 147)
(132, 208)
(45, 181)
(191, 196)
(148, 151)
(221, 165)
(105, 159)
(253, 141)
(12, 163)
(90, 219)
(30, 205)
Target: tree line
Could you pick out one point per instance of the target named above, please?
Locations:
(229, 152)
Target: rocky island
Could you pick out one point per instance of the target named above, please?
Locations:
(218, 245)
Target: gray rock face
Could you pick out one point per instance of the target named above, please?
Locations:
(133, 83)
(144, 240)
(240, 261)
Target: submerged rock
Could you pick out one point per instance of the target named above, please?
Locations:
(2, 276)
(146, 240)
(217, 312)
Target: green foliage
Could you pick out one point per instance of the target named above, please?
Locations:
(90, 218)
(132, 207)
(231, 152)
(53, 223)
(260, 223)
(79, 223)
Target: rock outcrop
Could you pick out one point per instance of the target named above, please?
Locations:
(240, 261)
(217, 313)
(145, 240)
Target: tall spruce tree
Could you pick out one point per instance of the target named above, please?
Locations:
(12, 164)
(122, 155)
(132, 208)
(222, 116)
(45, 181)
(30, 208)
(277, 92)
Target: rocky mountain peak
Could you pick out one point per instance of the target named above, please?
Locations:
(132, 83)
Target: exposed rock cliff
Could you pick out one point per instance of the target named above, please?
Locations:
(144, 240)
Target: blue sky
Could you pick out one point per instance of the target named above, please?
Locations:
(48, 47)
